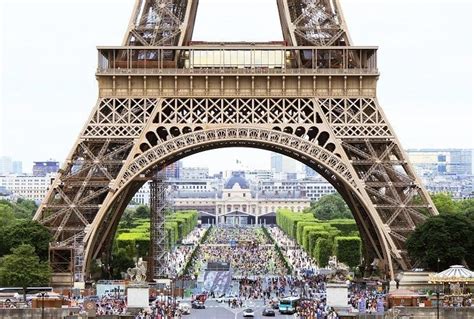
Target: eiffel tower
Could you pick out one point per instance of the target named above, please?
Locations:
(163, 97)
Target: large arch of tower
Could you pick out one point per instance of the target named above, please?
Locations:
(162, 98)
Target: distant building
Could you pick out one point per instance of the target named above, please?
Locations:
(45, 168)
(174, 170)
(238, 204)
(312, 189)
(9, 166)
(284, 164)
(441, 161)
(5, 165)
(191, 173)
(17, 167)
(277, 162)
(309, 172)
(26, 186)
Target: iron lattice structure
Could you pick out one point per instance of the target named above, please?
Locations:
(158, 205)
(161, 98)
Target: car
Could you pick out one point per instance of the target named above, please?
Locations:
(198, 305)
(185, 308)
(248, 313)
(268, 312)
(202, 297)
(275, 305)
(230, 298)
(92, 298)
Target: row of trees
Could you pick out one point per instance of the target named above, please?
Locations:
(322, 239)
(23, 246)
(448, 237)
(133, 236)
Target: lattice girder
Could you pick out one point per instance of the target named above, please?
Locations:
(319, 107)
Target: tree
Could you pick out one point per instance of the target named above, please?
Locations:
(23, 268)
(127, 218)
(24, 208)
(142, 211)
(6, 214)
(121, 261)
(466, 207)
(444, 203)
(26, 232)
(330, 207)
(449, 237)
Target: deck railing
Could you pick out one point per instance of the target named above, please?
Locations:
(237, 60)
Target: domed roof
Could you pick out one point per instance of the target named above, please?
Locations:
(237, 178)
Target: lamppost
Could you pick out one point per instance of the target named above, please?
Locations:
(437, 292)
(137, 246)
(42, 305)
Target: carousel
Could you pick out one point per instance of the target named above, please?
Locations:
(456, 283)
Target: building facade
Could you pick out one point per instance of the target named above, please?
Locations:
(238, 204)
(26, 186)
(45, 168)
(441, 161)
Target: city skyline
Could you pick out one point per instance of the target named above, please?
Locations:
(65, 65)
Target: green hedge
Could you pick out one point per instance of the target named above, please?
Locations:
(346, 226)
(322, 251)
(287, 220)
(305, 232)
(318, 238)
(300, 229)
(348, 250)
(177, 226)
(313, 236)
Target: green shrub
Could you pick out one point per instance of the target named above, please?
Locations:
(346, 226)
(313, 236)
(299, 229)
(322, 251)
(306, 230)
(348, 250)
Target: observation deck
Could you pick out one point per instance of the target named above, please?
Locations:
(237, 69)
(238, 59)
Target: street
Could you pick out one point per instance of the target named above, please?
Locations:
(215, 310)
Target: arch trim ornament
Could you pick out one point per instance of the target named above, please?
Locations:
(248, 136)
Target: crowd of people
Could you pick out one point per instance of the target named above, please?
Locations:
(299, 260)
(246, 260)
(179, 256)
(226, 234)
(248, 250)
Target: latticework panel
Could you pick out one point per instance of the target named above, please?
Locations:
(356, 118)
(391, 185)
(77, 193)
(119, 118)
(313, 22)
(158, 22)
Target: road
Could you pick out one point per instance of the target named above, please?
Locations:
(215, 310)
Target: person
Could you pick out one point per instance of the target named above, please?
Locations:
(332, 314)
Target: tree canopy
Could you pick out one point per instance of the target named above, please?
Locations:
(23, 268)
(449, 237)
(330, 207)
(25, 232)
(21, 209)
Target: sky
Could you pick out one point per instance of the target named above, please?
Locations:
(48, 59)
